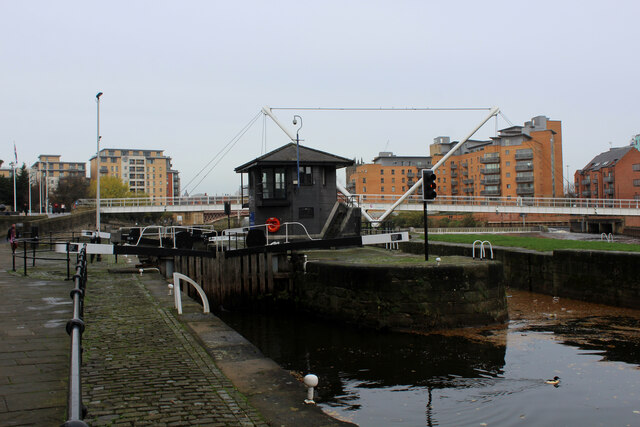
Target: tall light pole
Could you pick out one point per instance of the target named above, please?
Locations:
(298, 144)
(98, 164)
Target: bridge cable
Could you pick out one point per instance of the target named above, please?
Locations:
(222, 152)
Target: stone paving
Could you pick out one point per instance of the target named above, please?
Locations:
(141, 367)
(34, 346)
(142, 364)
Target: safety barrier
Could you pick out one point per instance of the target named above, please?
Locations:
(481, 244)
(607, 237)
(75, 327)
(177, 277)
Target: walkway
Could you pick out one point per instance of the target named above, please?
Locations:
(143, 365)
(34, 346)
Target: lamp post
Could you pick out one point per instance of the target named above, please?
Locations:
(298, 144)
(98, 164)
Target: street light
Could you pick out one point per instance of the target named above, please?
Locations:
(98, 165)
(298, 144)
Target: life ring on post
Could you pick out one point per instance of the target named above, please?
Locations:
(273, 224)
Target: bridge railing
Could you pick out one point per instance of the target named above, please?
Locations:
(162, 201)
(368, 200)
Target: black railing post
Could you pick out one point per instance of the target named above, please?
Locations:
(68, 261)
(34, 244)
(24, 246)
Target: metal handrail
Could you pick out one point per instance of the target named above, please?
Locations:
(75, 327)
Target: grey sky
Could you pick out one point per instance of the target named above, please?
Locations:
(186, 76)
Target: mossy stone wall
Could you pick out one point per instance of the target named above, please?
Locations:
(404, 297)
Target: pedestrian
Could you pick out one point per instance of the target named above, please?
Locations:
(12, 236)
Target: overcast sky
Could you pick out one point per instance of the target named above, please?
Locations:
(187, 76)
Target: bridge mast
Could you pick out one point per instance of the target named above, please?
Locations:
(493, 112)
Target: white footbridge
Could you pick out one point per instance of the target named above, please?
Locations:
(377, 205)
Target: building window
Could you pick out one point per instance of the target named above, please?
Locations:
(508, 163)
(364, 180)
(393, 189)
(393, 171)
(306, 176)
(381, 180)
(403, 188)
(274, 183)
(393, 180)
(402, 171)
(636, 167)
(364, 189)
(382, 189)
(636, 182)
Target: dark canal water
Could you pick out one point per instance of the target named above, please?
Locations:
(475, 378)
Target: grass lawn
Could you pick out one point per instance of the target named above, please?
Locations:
(534, 243)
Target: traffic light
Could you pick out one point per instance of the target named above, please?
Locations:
(428, 184)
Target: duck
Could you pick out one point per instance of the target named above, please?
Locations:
(555, 381)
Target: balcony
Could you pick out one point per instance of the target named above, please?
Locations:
(454, 190)
(490, 180)
(487, 171)
(586, 193)
(524, 178)
(609, 191)
(410, 174)
(608, 179)
(454, 174)
(490, 192)
(524, 167)
(454, 166)
(524, 156)
(492, 159)
(467, 181)
(464, 164)
(585, 181)
(465, 173)
(468, 189)
(524, 191)
(454, 182)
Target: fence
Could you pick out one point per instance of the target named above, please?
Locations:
(33, 248)
(75, 327)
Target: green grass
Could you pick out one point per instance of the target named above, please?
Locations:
(534, 243)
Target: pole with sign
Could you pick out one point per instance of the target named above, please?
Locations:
(428, 193)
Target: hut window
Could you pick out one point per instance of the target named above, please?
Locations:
(306, 178)
(274, 183)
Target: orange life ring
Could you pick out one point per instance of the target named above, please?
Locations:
(273, 224)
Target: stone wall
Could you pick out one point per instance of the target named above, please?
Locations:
(402, 297)
(606, 277)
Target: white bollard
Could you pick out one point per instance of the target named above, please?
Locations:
(310, 381)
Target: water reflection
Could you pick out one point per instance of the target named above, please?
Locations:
(379, 378)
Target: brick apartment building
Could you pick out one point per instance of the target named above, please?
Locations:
(613, 174)
(147, 171)
(387, 175)
(522, 161)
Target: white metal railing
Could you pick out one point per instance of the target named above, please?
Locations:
(163, 201)
(234, 233)
(365, 199)
(481, 244)
(170, 232)
(607, 237)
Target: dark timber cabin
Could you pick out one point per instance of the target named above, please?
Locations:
(274, 192)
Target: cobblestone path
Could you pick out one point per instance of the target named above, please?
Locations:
(141, 367)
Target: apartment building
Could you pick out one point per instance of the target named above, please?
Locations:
(51, 168)
(146, 171)
(613, 174)
(521, 161)
(387, 175)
